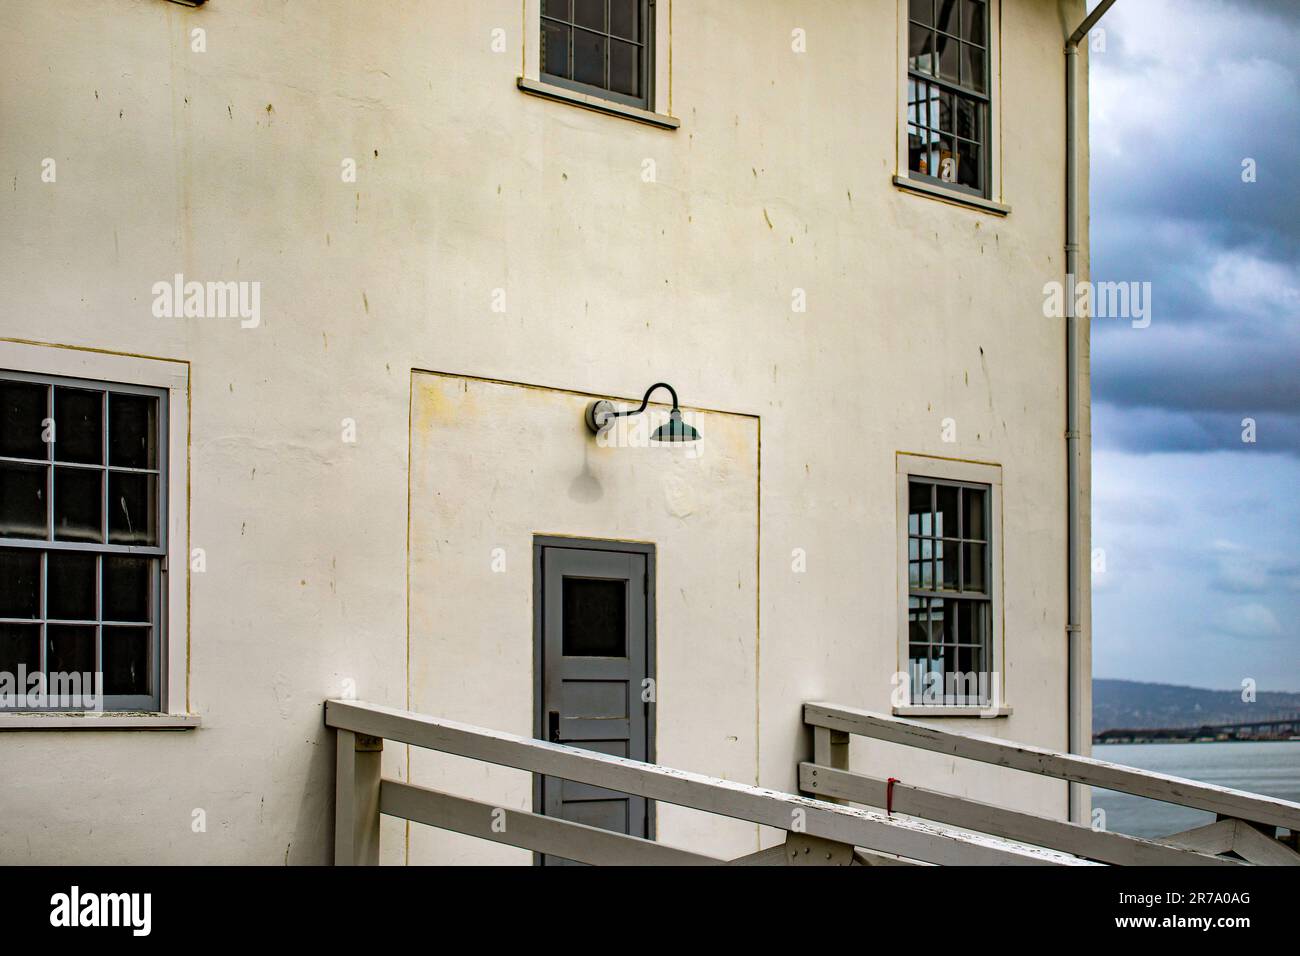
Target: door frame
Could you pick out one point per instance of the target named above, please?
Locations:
(647, 548)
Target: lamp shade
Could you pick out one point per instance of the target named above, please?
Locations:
(675, 430)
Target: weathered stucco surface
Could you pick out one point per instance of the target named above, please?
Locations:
(536, 470)
(225, 165)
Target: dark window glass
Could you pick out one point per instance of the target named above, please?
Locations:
(126, 660)
(946, 50)
(78, 425)
(970, 166)
(589, 13)
(624, 74)
(595, 617)
(975, 564)
(20, 646)
(71, 586)
(624, 19)
(20, 583)
(555, 49)
(922, 11)
(23, 411)
(589, 57)
(71, 649)
(974, 503)
(126, 588)
(133, 431)
(23, 510)
(132, 508)
(974, 29)
(972, 67)
(599, 44)
(973, 622)
(946, 12)
(947, 573)
(946, 111)
(945, 508)
(78, 504)
(968, 119)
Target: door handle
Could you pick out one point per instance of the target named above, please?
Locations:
(553, 726)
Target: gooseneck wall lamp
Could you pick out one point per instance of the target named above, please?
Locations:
(601, 416)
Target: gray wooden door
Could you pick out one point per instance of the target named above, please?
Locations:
(593, 655)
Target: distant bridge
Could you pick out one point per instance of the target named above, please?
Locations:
(1272, 729)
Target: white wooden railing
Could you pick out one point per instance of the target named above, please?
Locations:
(1246, 827)
(817, 831)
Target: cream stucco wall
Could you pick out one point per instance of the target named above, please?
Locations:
(538, 472)
(225, 165)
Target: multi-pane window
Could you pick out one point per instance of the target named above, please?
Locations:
(82, 540)
(599, 47)
(948, 92)
(949, 604)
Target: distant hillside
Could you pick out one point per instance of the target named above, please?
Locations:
(1133, 705)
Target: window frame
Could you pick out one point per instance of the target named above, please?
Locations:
(989, 200)
(157, 553)
(646, 101)
(169, 379)
(657, 111)
(947, 471)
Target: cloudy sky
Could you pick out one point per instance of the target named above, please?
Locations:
(1202, 565)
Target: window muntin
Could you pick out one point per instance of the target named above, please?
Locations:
(83, 535)
(600, 47)
(949, 599)
(948, 93)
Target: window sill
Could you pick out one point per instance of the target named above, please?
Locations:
(608, 107)
(938, 710)
(923, 188)
(35, 720)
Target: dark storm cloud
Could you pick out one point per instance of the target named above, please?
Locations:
(1164, 430)
(1184, 94)
(1211, 369)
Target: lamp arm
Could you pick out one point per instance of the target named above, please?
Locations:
(627, 413)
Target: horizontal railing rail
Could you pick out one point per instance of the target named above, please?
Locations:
(828, 776)
(816, 830)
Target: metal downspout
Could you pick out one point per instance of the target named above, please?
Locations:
(1077, 668)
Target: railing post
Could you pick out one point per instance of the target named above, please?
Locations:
(830, 749)
(356, 799)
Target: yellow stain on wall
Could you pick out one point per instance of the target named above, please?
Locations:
(441, 402)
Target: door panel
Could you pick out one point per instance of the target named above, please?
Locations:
(593, 655)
